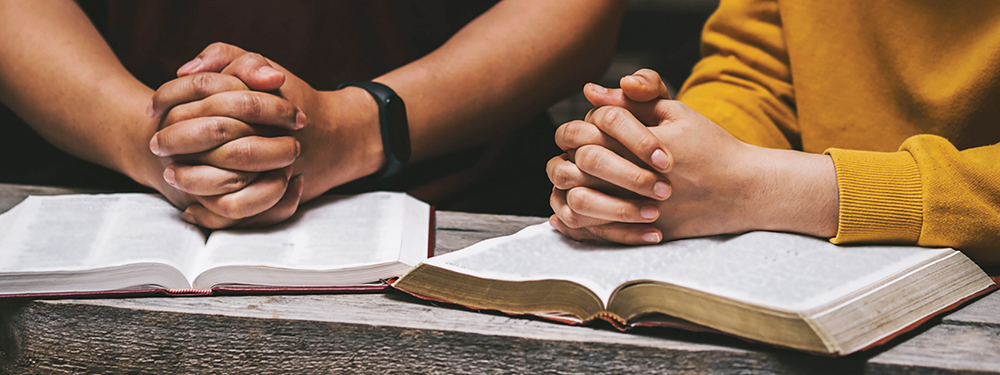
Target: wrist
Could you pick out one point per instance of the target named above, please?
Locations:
(341, 141)
(363, 113)
(394, 130)
(134, 158)
(797, 192)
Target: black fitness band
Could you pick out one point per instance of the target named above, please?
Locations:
(392, 124)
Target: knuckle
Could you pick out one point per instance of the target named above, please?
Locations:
(230, 209)
(218, 130)
(252, 60)
(673, 108)
(622, 212)
(244, 154)
(225, 208)
(599, 231)
(251, 105)
(236, 182)
(216, 46)
(239, 154)
(589, 158)
(579, 132)
(201, 84)
(610, 117)
(577, 200)
(638, 178)
(562, 177)
(647, 143)
(570, 218)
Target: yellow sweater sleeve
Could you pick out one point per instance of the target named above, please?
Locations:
(928, 193)
(743, 83)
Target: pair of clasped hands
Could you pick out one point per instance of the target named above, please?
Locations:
(641, 169)
(237, 145)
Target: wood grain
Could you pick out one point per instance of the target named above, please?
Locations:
(985, 311)
(945, 348)
(11, 194)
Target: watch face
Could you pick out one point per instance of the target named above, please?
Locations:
(396, 112)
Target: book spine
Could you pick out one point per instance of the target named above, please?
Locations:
(181, 292)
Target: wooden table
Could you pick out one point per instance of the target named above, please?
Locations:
(395, 333)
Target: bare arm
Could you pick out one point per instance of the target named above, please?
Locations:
(59, 75)
(509, 63)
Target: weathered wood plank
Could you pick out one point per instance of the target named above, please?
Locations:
(11, 195)
(985, 311)
(155, 335)
(944, 348)
(456, 230)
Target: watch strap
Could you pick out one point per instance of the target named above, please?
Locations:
(393, 126)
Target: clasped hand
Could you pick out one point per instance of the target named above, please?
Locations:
(641, 168)
(239, 147)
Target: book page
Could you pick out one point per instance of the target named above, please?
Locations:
(82, 232)
(777, 270)
(331, 232)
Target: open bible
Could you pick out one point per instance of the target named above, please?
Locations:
(135, 244)
(782, 289)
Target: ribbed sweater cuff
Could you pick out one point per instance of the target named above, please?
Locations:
(881, 197)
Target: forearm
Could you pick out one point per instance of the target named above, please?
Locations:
(508, 64)
(59, 75)
(793, 192)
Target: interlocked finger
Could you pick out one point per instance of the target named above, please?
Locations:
(608, 166)
(191, 88)
(569, 217)
(203, 134)
(206, 180)
(601, 208)
(252, 107)
(254, 199)
(249, 154)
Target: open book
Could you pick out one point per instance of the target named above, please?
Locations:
(783, 289)
(136, 244)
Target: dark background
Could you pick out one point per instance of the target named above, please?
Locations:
(658, 34)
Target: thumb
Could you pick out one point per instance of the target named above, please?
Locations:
(212, 59)
(253, 69)
(644, 85)
(599, 96)
(256, 71)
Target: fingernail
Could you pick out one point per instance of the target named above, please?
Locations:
(300, 120)
(659, 159)
(168, 176)
(651, 237)
(188, 217)
(301, 182)
(298, 148)
(552, 222)
(661, 190)
(149, 110)
(597, 88)
(154, 147)
(649, 212)
(190, 65)
(288, 172)
(639, 79)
